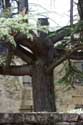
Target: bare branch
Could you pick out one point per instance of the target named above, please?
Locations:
(26, 51)
(22, 55)
(56, 63)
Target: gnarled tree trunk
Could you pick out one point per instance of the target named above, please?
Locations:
(43, 88)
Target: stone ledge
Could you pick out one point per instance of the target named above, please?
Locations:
(41, 118)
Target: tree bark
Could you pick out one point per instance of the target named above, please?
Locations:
(71, 12)
(43, 88)
(24, 55)
(80, 9)
(7, 2)
(23, 4)
(20, 70)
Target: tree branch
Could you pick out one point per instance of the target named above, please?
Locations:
(60, 34)
(22, 39)
(20, 52)
(38, 46)
(77, 56)
(26, 51)
(72, 54)
(56, 63)
(16, 70)
(34, 45)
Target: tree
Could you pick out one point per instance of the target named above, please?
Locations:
(7, 3)
(42, 53)
(23, 4)
(71, 12)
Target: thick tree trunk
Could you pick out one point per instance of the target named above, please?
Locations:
(7, 2)
(43, 88)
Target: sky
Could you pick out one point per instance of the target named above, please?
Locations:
(56, 10)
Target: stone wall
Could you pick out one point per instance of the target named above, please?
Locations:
(41, 119)
(27, 100)
(16, 97)
(67, 97)
(10, 94)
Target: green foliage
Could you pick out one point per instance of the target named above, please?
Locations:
(6, 12)
(66, 30)
(71, 71)
(68, 34)
(9, 27)
(72, 74)
(3, 59)
(66, 79)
